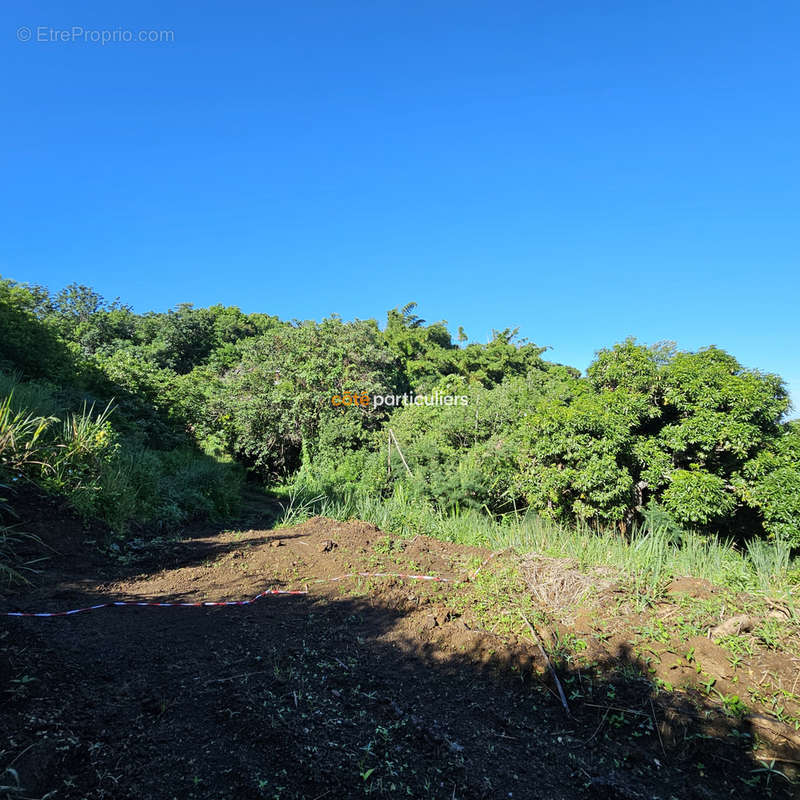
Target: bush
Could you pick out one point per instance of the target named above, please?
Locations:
(81, 456)
(697, 497)
(276, 401)
(687, 430)
(770, 483)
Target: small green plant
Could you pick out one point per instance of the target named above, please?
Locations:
(769, 632)
(708, 684)
(567, 646)
(655, 631)
(733, 705)
(737, 644)
(388, 546)
(769, 771)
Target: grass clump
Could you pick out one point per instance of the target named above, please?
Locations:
(79, 453)
(651, 555)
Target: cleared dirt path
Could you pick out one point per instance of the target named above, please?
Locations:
(363, 686)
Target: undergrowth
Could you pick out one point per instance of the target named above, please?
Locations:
(654, 553)
(79, 453)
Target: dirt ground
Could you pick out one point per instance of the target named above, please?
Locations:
(379, 686)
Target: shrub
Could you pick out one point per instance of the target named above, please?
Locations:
(697, 497)
(82, 456)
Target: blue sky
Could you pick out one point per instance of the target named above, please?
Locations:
(585, 171)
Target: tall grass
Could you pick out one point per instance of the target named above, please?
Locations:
(20, 436)
(653, 554)
(12, 568)
(38, 397)
(79, 454)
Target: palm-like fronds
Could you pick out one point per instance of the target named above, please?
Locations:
(20, 435)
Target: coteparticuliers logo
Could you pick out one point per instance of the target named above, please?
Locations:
(365, 400)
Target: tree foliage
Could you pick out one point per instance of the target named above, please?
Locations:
(652, 425)
(272, 404)
(693, 435)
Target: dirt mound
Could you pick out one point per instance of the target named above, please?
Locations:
(240, 564)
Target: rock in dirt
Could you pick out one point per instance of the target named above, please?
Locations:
(782, 739)
(327, 546)
(693, 587)
(712, 658)
(429, 622)
(733, 626)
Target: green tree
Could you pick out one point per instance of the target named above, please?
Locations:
(770, 483)
(83, 316)
(271, 404)
(651, 425)
(28, 344)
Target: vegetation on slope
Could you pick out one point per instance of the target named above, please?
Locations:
(154, 418)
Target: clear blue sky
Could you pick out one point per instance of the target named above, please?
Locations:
(585, 171)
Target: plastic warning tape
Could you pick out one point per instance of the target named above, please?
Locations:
(211, 603)
(402, 575)
(151, 604)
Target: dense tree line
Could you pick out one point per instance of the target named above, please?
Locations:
(694, 435)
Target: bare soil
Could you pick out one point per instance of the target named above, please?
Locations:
(378, 686)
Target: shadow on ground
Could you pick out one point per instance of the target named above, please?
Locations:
(302, 697)
(338, 694)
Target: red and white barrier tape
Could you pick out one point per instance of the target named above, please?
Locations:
(403, 575)
(151, 604)
(207, 603)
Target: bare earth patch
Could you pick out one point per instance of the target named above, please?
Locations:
(385, 686)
